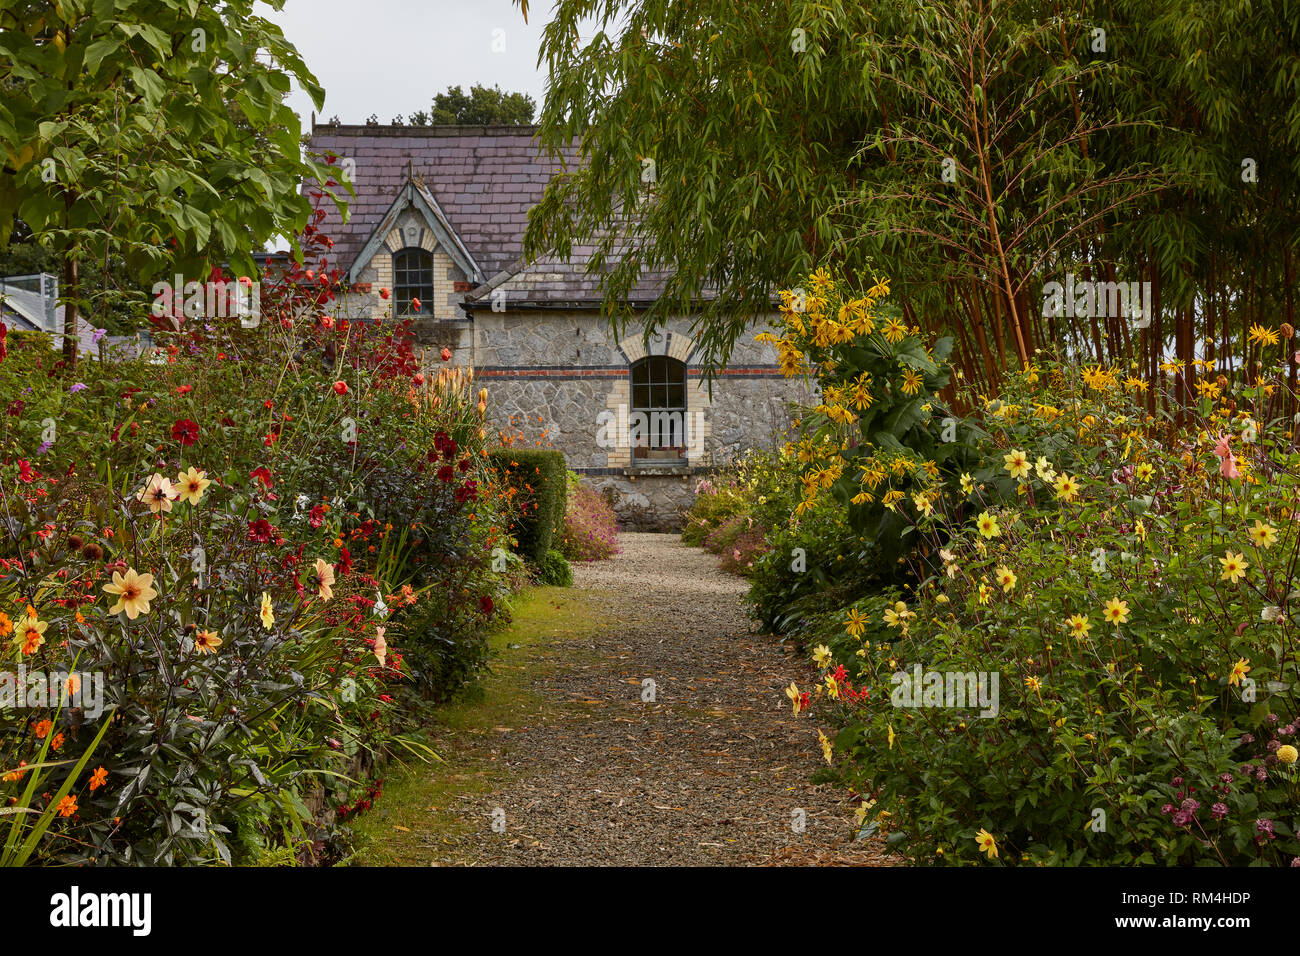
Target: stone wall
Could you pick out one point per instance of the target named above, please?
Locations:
(648, 503)
(563, 379)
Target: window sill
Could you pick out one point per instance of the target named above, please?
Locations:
(658, 470)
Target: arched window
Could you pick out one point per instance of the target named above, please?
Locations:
(412, 279)
(659, 394)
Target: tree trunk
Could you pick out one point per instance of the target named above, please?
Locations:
(990, 367)
(1157, 328)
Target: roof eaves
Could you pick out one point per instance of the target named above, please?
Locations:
(505, 275)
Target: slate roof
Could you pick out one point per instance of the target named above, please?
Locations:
(484, 179)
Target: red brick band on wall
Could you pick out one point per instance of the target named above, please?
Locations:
(611, 371)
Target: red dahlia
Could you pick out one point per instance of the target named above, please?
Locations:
(185, 431)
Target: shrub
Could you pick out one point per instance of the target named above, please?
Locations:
(718, 499)
(293, 499)
(1128, 586)
(554, 570)
(744, 551)
(724, 535)
(874, 440)
(796, 563)
(724, 520)
(441, 651)
(809, 554)
(590, 531)
(537, 483)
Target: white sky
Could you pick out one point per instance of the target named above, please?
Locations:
(391, 56)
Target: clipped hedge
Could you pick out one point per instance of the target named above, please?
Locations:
(539, 478)
(554, 569)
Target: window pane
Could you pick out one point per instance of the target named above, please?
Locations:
(412, 279)
(658, 382)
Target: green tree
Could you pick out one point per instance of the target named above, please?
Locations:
(482, 106)
(22, 256)
(732, 147)
(152, 132)
(729, 128)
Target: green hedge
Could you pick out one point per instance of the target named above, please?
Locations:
(540, 480)
(554, 569)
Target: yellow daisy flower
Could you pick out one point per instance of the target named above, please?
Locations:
(134, 592)
(1116, 611)
(793, 693)
(207, 642)
(31, 633)
(856, 623)
(1234, 567)
(1017, 463)
(1067, 488)
(190, 485)
(1263, 534)
(827, 751)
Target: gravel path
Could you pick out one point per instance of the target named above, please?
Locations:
(714, 771)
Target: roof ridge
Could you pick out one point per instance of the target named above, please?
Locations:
(444, 129)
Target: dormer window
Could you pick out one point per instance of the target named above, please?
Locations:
(412, 280)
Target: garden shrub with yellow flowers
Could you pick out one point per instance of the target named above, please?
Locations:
(830, 499)
(229, 571)
(1086, 655)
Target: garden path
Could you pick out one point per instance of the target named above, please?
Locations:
(715, 770)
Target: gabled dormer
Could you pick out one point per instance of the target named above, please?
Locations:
(405, 248)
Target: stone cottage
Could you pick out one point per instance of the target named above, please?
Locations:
(438, 222)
